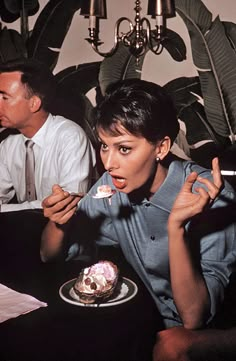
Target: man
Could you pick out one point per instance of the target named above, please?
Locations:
(62, 153)
(180, 344)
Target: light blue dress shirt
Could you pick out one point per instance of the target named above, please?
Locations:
(140, 228)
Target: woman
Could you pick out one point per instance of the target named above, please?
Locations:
(163, 212)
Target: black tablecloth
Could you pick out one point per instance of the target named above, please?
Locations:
(62, 331)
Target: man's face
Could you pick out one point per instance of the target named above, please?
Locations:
(14, 102)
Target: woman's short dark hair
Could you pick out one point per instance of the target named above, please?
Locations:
(141, 107)
(36, 77)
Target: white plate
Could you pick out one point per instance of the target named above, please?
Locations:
(125, 291)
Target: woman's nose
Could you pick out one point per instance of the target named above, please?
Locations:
(109, 162)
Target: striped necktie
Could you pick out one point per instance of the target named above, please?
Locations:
(29, 171)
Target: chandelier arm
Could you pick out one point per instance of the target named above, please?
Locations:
(148, 29)
(117, 38)
(156, 49)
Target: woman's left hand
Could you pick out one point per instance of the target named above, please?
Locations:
(189, 204)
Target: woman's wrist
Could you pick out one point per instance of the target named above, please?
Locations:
(174, 227)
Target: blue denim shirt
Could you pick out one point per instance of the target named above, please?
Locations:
(140, 228)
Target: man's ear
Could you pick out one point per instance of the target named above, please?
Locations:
(35, 103)
(163, 148)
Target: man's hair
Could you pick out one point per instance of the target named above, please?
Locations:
(141, 107)
(36, 77)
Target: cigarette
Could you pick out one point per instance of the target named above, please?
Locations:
(228, 172)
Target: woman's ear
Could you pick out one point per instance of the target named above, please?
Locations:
(163, 148)
(35, 103)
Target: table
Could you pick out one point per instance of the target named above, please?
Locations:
(65, 332)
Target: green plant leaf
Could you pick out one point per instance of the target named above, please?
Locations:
(5, 15)
(16, 6)
(230, 30)
(50, 30)
(175, 45)
(194, 118)
(79, 78)
(121, 65)
(184, 91)
(11, 45)
(215, 60)
(71, 100)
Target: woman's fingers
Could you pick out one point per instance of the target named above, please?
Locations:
(217, 177)
(214, 186)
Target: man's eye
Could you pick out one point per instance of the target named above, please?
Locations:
(125, 150)
(2, 96)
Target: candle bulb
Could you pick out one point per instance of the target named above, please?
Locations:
(159, 7)
(92, 21)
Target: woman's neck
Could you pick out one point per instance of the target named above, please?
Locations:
(159, 178)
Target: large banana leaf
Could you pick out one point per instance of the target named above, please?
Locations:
(175, 45)
(123, 65)
(11, 45)
(184, 92)
(78, 78)
(192, 115)
(10, 10)
(50, 30)
(71, 101)
(16, 6)
(215, 59)
(230, 30)
(120, 66)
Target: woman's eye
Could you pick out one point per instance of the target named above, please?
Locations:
(103, 146)
(125, 150)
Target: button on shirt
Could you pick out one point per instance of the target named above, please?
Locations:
(140, 228)
(63, 155)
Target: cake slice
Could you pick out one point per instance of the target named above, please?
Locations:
(97, 282)
(104, 191)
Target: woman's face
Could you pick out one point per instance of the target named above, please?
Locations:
(130, 160)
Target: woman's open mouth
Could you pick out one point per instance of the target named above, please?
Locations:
(119, 183)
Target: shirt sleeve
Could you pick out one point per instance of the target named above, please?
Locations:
(7, 191)
(77, 162)
(215, 233)
(93, 225)
(21, 206)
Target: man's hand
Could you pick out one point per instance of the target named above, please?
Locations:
(60, 206)
(173, 344)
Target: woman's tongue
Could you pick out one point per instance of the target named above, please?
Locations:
(119, 183)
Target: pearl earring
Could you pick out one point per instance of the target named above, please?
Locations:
(157, 159)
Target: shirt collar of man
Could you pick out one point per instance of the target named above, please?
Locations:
(41, 138)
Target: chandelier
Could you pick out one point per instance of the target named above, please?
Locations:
(140, 36)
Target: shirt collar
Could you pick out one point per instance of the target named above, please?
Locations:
(166, 194)
(41, 137)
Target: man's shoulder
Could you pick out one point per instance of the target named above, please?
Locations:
(12, 140)
(56, 120)
(65, 126)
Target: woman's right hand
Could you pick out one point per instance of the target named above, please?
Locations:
(60, 206)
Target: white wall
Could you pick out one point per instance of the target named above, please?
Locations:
(76, 50)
